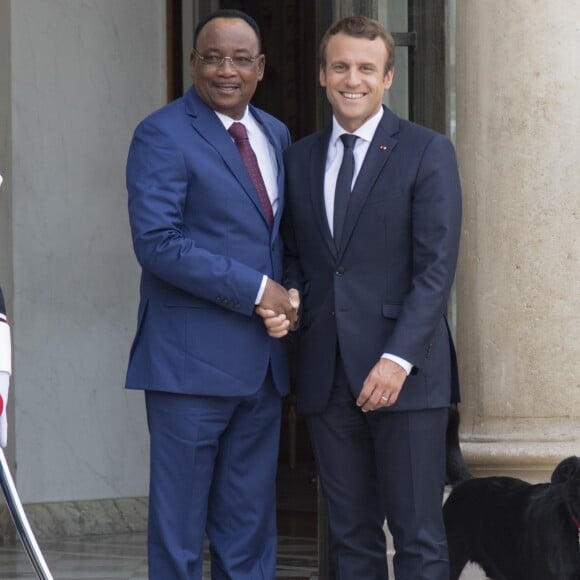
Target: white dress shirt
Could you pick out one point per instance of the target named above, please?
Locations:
(365, 134)
(266, 156)
(264, 151)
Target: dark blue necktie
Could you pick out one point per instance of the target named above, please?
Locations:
(343, 185)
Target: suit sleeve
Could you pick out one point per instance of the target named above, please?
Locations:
(436, 225)
(293, 277)
(157, 185)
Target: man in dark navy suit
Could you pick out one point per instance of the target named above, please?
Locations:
(205, 180)
(372, 226)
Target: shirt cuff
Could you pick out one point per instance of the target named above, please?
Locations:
(261, 290)
(407, 366)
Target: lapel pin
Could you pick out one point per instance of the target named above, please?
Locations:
(383, 147)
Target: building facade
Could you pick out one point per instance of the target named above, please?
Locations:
(501, 77)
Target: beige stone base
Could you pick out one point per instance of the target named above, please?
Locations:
(76, 518)
(528, 452)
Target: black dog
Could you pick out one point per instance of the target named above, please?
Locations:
(515, 530)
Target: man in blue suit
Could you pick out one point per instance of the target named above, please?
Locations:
(372, 225)
(205, 205)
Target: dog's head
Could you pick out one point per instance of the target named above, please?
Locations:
(567, 472)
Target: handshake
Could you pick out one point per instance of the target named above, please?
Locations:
(279, 309)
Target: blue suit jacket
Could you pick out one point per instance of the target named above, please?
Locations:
(202, 240)
(386, 288)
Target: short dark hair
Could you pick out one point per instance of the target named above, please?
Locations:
(360, 27)
(228, 13)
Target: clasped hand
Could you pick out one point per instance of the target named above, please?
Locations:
(279, 309)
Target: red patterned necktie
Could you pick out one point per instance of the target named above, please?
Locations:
(240, 136)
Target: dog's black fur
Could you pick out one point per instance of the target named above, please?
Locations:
(515, 530)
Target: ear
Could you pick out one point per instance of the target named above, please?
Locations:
(322, 77)
(566, 470)
(261, 66)
(192, 60)
(388, 80)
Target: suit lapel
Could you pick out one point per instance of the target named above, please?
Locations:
(378, 153)
(317, 171)
(211, 129)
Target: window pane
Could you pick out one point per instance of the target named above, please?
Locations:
(394, 15)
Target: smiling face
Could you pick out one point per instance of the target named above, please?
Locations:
(225, 88)
(355, 79)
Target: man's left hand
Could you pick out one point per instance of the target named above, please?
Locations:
(382, 386)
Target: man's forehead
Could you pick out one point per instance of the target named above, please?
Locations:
(227, 29)
(360, 42)
(357, 49)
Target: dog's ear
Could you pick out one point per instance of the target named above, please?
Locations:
(566, 470)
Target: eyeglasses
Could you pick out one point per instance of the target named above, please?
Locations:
(214, 61)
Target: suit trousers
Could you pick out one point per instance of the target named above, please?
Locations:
(213, 470)
(377, 465)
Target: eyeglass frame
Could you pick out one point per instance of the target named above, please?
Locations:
(247, 61)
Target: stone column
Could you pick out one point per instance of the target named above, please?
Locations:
(518, 282)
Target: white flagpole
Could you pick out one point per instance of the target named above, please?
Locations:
(21, 521)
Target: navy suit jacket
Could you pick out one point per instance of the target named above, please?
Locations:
(203, 242)
(386, 288)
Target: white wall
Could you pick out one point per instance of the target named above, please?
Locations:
(83, 74)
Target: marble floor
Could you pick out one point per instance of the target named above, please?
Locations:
(123, 557)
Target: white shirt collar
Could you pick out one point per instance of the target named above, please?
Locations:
(365, 132)
(247, 120)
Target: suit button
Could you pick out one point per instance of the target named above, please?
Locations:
(340, 271)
